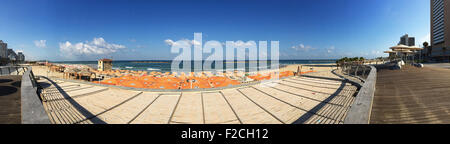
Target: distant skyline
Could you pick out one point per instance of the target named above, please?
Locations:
(143, 30)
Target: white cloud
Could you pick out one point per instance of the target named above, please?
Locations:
(169, 42)
(96, 47)
(40, 43)
(191, 42)
(302, 47)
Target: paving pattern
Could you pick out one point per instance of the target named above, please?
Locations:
(412, 96)
(291, 100)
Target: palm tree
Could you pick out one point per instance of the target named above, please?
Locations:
(425, 45)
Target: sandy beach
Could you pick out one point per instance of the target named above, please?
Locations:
(309, 67)
(45, 71)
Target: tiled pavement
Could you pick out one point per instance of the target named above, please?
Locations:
(291, 100)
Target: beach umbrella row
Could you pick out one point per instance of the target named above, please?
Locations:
(400, 48)
(187, 82)
(169, 82)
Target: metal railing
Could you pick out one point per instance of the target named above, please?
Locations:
(354, 69)
(12, 70)
(360, 69)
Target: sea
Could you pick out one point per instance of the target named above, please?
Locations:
(165, 65)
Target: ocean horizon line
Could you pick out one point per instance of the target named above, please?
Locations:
(191, 60)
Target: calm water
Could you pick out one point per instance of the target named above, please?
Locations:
(165, 65)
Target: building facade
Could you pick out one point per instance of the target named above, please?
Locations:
(3, 50)
(12, 55)
(406, 40)
(105, 64)
(20, 57)
(440, 30)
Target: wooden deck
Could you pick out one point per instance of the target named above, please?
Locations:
(10, 112)
(412, 96)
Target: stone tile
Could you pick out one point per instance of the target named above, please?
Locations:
(159, 112)
(189, 109)
(247, 111)
(217, 110)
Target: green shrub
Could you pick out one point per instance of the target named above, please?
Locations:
(346, 59)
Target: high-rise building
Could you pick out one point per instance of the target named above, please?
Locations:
(440, 29)
(20, 57)
(406, 40)
(12, 55)
(3, 50)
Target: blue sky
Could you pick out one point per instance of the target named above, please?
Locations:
(139, 29)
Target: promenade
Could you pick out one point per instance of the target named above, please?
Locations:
(412, 96)
(292, 100)
(10, 102)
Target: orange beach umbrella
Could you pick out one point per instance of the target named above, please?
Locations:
(112, 81)
(133, 83)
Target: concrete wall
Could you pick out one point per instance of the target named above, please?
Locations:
(33, 111)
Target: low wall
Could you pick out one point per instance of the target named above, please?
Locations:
(361, 108)
(33, 111)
